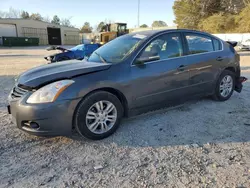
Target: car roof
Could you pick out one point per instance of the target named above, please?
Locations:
(150, 33)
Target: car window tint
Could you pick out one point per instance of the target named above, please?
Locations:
(166, 46)
(118, 49)
(217, 45)
(199, 44)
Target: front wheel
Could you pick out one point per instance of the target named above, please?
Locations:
(98, 116)
(225, 86)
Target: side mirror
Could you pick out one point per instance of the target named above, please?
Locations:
(142, 60)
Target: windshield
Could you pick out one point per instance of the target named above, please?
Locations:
(78, 47)
(118, 49)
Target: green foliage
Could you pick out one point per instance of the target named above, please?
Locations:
(25, 15)
(47, 19)
(218, 23)
(214, 16)
(100, 26)
(144, 26)
(159, 24)
(14, 13)
(233, 6)
(36, 16)
(243, 20)
(86, 28)
(187, 13)
(66, 22)
(56, 20)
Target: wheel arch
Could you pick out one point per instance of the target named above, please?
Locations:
(232, 69)
(111, 90)
(235, 70)
(118, 94)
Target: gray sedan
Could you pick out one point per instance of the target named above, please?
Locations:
(130, 75)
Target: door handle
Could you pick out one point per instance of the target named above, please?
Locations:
(219, 59)
(181, 68)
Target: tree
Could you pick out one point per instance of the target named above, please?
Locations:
(233, 6)
(14, 13)
(66, 22)
(159, 24)
(25, 15)
(86, 28)
(36, 16)
(144, 26)
(243, 20)
(246, 2)
(2, 14)
(218, 23)
(56, 20)
(100, 26)
(187, 13)
(190, 13)
(47, 19)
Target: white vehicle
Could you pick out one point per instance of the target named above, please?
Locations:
(245, 45)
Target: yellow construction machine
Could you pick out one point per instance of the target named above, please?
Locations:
(111, 31)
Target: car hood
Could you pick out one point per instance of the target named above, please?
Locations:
(42, 75)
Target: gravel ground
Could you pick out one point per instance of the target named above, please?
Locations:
(199, 144)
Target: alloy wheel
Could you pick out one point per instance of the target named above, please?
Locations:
(101, 117)
(226, 86)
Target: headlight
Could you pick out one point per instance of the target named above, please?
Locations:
(49, 93)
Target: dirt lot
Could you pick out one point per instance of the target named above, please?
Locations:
(200, 144)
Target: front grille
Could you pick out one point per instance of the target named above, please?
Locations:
(18, 92)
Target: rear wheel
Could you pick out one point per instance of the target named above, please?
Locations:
(225, 86)
(98, 116)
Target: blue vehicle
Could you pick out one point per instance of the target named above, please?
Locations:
(78, 52)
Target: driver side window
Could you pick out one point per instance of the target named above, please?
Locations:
(165, 46)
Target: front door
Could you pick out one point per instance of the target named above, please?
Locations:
(161, 80)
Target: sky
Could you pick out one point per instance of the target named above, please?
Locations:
(95, 11)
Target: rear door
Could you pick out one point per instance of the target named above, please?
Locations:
(162, 80)
(203, 55)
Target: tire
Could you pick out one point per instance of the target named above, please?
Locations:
(218, 95)
(88, 106)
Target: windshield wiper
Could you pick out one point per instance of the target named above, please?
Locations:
(101, 58)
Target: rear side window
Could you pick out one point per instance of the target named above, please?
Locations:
(217, 45)
(198, 44)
